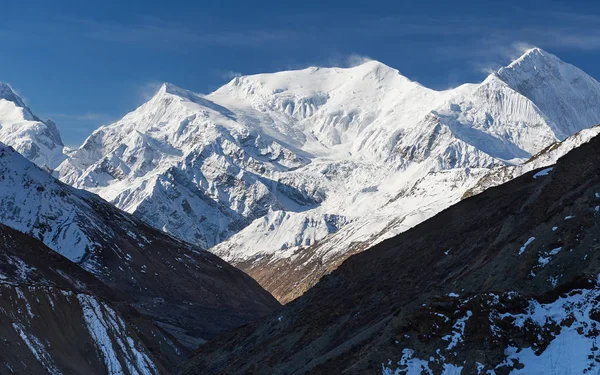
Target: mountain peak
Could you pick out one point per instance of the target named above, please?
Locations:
(8, 93)
(560, 90)
(533, 52)
(533, 58)
(172, 89)
(366, 66)
(376, 67)
(374, 64)
(37, 140)
(168, 89)
(537, 64)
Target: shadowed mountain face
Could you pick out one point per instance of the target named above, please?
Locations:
(57, 318)
(505, 281)
(185, 290)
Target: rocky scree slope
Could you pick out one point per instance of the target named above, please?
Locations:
(511, 287)
(286, 174)
(57, 318)
(189, 292)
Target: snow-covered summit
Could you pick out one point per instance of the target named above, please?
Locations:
(37, 140)
(565, 94)
(328, 110)
(8, 93)
(534, 55)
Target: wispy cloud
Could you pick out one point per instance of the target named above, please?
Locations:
(229, 75)
(491, 54)
(445, 36)
(149, 89)
(574, 39)
(483, 42)
(356, 60)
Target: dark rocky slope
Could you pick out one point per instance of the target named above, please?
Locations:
(188, 291)
(57, 318)
(461, 291)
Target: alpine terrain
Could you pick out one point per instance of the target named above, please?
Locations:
(56, 318)
(287, 174)
(37, 140)
(408, 230)
(186, 291)
(503, 282)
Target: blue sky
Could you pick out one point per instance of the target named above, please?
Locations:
(84, 64)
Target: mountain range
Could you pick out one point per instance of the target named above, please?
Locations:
(285, 176)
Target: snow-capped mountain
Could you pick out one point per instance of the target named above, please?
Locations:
(187, 291)
(184, 164)
(299, 169)
(37, 140)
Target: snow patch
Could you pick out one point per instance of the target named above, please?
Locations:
(107, 329)
(527, 243)
(38, 349)
(543, 172)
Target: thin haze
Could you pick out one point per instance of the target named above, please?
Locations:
(86, 65)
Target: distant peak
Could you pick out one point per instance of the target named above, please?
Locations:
(533, 56)
(5, 87)
(371, 65)
(169, 88)
(534, 51)
(7, 93)
(535, 62)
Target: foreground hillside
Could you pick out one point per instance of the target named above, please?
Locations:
(56, 318)
(187, 291)
(503, 282)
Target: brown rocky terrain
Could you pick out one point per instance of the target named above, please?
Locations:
(302, 271)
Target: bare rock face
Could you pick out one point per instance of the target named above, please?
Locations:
(505, 281)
